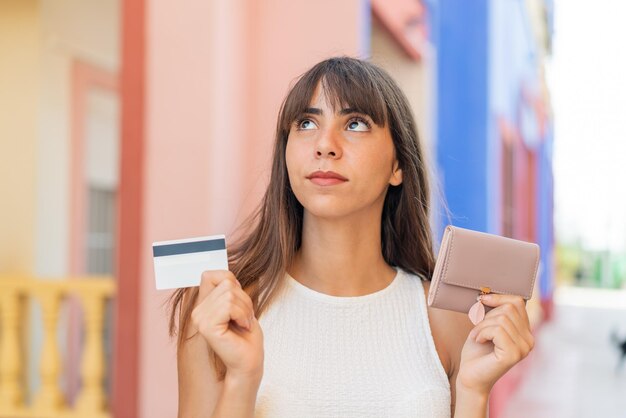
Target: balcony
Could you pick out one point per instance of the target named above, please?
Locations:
(16, 294)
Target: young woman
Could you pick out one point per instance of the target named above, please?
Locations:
(323, 312)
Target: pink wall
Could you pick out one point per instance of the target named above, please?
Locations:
(125, 398)
(177, 199)
(215, 76)
(288, 37)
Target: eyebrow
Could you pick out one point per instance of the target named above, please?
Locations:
(317, 111)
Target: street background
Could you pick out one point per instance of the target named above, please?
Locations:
(124, 122)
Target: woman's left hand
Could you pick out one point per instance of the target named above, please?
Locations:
(494, 345)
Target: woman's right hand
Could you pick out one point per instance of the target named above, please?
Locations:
(224, 316)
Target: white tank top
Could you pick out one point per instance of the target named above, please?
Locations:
(351, 357)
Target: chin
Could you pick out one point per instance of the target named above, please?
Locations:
(338, 208)
(327, 207)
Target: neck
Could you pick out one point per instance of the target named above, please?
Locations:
(342, 257)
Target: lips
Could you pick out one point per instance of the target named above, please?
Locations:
(326, 178)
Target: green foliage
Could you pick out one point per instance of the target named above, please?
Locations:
(576, 265)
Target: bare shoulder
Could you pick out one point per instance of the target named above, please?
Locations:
(450, 330)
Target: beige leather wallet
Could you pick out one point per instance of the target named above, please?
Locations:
(471, 263)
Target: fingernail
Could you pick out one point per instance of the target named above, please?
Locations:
(249, 325)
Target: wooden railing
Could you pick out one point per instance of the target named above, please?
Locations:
(49, 401)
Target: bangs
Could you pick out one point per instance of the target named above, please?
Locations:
(345, 84)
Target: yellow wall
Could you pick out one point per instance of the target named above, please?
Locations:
(19, 75)
(415, 78)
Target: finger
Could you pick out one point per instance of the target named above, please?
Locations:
(210, 279)
(228, 308)
(509, 326)
(508, 310)
(521, 323)
(518, 302)
(227, 286)
(240, 316)
(504, 346)
(225, 294)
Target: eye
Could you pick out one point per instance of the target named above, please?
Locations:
(359, 124)
(305, 124)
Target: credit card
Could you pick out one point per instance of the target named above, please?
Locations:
(180, 263)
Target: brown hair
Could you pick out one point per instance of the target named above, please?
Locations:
(260, 259)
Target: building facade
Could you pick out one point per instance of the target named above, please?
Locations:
(149, 120)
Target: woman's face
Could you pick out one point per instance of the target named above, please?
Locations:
(339, 162)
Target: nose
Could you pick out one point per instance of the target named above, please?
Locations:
(328, 146)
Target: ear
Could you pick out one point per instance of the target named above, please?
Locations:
(396, 175)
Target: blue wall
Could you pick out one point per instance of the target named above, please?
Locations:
(545, 209)
(460, 32)
(486, 56)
